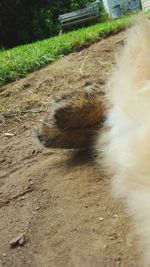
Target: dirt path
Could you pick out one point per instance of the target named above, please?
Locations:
(59, 199)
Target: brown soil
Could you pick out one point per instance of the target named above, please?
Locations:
(59, 199)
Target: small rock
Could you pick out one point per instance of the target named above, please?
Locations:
(22, 198)
(4, 254)
(2, 160)
(44, 190)
(115, 216)
(18, 241)
(113, 236)
(101, 219)
(9, 134)
(26, 85)
(118, 261)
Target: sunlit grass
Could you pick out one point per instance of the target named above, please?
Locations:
(18, 61)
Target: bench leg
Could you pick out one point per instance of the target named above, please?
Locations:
(61, 31)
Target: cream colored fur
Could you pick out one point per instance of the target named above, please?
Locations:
(127, 140)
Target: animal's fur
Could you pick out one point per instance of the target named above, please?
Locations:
(74, 120)
(126, 138)
(126, 143)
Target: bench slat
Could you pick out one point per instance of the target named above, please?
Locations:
(90, 8)
(79, 14)
(80, 21)
(86, 14)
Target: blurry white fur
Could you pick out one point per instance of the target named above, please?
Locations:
(127, 140)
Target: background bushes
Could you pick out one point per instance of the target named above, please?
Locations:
(25, 21)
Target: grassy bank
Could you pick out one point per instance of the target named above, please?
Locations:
(17, 62)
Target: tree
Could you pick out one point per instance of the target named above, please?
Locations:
(23, 21)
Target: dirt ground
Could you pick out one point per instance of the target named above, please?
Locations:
(59, 200)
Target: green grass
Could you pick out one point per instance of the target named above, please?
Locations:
(17, 62)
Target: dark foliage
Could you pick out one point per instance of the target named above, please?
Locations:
(24, 21)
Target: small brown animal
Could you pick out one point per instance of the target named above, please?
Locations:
(125, 140)
(74, 120)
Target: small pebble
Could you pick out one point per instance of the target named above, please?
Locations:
(113, 236)
(18, 241)
(9, 134)
(44, 190)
